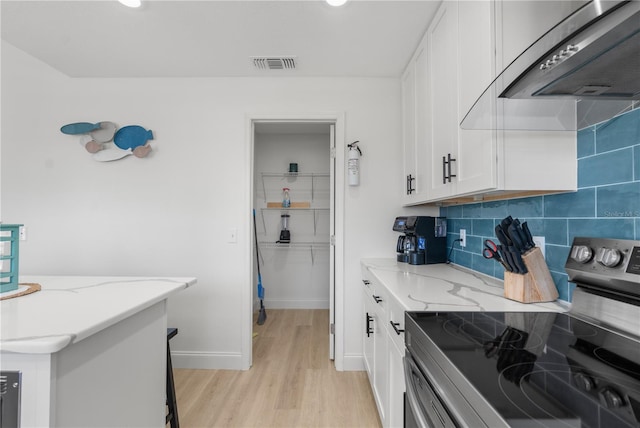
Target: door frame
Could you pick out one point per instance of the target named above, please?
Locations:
(336, 118)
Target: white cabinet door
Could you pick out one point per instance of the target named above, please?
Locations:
(476, 149)
(409, 131)
(442, 42)
(395, 417)
(367, 344)
(380, 373)
(375, 345)
(415, 123)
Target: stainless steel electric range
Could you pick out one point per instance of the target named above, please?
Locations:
(533, 369)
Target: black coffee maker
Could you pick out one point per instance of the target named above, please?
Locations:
(424, 239)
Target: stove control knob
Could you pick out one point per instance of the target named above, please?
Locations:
(611, 398)
(608, 257)
(581, 253)
(584, 381)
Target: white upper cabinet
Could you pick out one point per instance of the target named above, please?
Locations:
(462, 52)
(415, 127)
(476, 149)
(442, 42)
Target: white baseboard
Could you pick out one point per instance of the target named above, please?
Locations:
(206, 360)
(353, 363)
(294, 304)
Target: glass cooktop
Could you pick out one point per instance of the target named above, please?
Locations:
(548, 369)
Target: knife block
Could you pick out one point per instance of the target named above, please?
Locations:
(533, 287)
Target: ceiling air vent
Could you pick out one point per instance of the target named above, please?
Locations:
(274, 63)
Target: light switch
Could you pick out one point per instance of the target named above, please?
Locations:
(233, 236)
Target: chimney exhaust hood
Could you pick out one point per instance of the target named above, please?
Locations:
(583, 71)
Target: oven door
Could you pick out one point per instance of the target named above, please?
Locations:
(422, 406)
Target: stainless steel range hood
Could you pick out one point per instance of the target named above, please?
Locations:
(583, 71)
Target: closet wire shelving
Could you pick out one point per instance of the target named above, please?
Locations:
(312, 246)
(292, 175)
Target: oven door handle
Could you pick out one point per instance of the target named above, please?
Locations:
(412, 395)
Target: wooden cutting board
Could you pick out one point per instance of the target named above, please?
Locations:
(293, 205)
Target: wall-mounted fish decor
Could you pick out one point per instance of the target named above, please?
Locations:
(95, 138)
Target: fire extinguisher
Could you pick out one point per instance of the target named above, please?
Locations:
(353, 163)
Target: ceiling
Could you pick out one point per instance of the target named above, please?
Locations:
(210, 38)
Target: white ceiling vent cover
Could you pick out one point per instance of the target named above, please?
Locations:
(275, 63)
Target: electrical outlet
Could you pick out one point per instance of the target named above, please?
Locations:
(463, 237)
(23, 233)
(539, 241)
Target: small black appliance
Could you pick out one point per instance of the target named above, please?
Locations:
(285, 233)
(423, 239)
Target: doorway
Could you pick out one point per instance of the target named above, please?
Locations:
(299, 245)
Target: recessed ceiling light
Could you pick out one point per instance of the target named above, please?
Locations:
(131, 3)
(336, 2)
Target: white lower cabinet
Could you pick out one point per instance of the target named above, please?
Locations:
(383, 347)
(395, 329)
(380, 369)
(395, 414)
(367, 343)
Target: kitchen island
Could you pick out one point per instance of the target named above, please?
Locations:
(91, 350)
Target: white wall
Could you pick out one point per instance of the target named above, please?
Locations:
(168, 214)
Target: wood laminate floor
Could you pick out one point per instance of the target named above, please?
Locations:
(292, 382)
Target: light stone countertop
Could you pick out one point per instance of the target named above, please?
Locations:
(447, 287)
(69, 309)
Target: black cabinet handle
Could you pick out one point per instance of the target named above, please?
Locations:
(368, 320)
(449, 166)
(410, 188)
(376, 298)
(444, 170)
(395, 327)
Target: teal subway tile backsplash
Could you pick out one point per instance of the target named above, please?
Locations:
(616, 228)
(620, 200)
(619, 132)
(482, 227)
(607, 204)
(586, 142)
(636, 163)
(555, 231)
(496, 209)
(521, 207)
(579, 204)
(623, 172)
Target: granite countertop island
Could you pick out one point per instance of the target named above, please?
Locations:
(90, 351)
(447, 287)
(69, 309)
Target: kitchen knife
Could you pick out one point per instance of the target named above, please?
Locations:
(517, 240)
(508, 258)
(527, 232)
(502, 236)
(505, 262)
(522, 235)
(505, 223)
(516, 256)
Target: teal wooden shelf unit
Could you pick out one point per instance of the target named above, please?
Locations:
(9, 242)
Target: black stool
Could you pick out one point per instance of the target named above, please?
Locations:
(172, 415)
